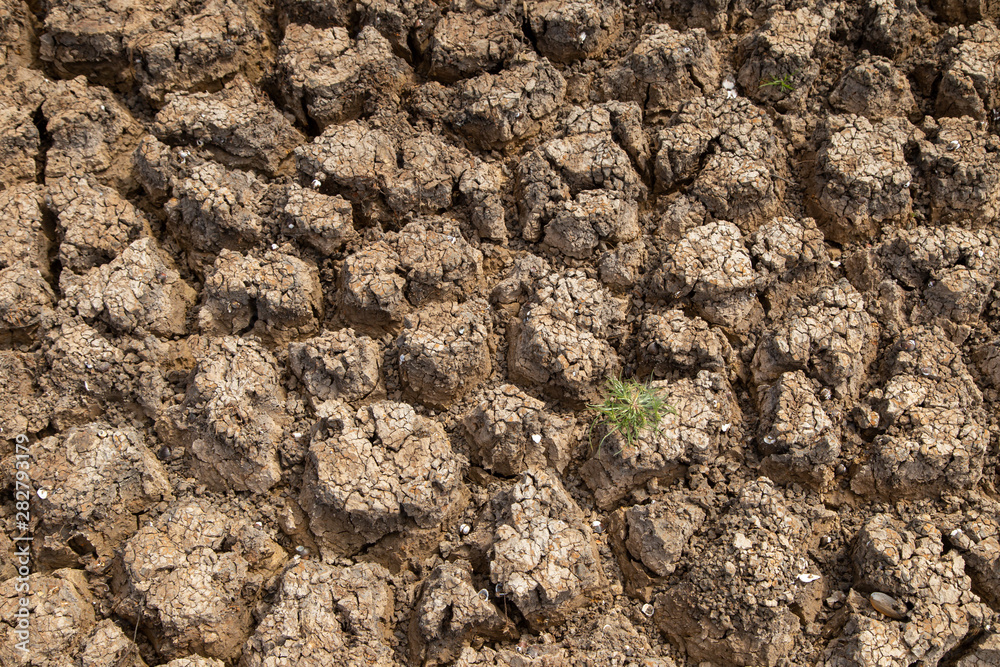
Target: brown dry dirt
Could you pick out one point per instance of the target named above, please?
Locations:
(303, 303)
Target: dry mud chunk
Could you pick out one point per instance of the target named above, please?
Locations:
(371, 291)
(692, 434)
(89, 37)
(833, 340)
(26, 300)
(466, 44)
(407, 24)
(915, 256)
(98, 479)
(510, 432)
(199, 50)
(60, 610)
(395, 167)
(155, 165)
(326, 223)
(970, 85)
(891, 27)
(192, 579)
(962, 165)
(381, 470)
(326, 616)
(782, 47)
(84, 366)
(966, 11)
(19, 146)
(672, 340)
(588, 157)
(560, 342)
(931, 418)
(800, 440)
(323, 13)
(480, 187)
(862, 179)
(215, 208)
(658, 533)
(233, 417)
(440, 264)
(92, 134)
(592, 217)
(735, 607)
(194, 661)
(23, 407)
(910, 564)
(544, 557)
(22, 228)
(107, 644)
(976, 539)
(711, 266)
(17, 31)
(328, 78)
(984, 654)
(875, 89)
(569, 30)
(445, 351)
(280, 291)
(94, 222)
(987, 358)
(669, 67)
(494, 110)
(337, 365)
(786, 245)
(239, 124)
(727, 147)
(138, 291)
(612, 639)
(620, 267)
(450, 614)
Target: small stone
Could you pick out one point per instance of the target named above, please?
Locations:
(43, 493)
(536, 438)
(887, 605)
(741, 541)
(465, 529)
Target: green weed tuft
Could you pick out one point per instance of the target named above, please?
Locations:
(630, 408)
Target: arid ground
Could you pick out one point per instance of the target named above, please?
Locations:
(303, 303)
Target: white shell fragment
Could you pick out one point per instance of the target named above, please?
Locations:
(888, 605)
(465, 529)
(43, 493)
(807, 578)
(536, 438)
(647, 609)
(484, 595)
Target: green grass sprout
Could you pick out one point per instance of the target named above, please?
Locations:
(631, 407)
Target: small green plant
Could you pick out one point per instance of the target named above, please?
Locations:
(630, 408)
(782, 82)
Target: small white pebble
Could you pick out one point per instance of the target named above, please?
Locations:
(952, 145)
(43, 493)
(297, 435)
(258, 524)
(316, 183)
(597, 526)
(103, 108)
(536, 438)
(835, 264)
(461, 330)
(725, 428)
(954, 533)
(808, 578)
(274, 246)
(291, 225)
(583, 37)
(769, 439)
(465, 529)
(729, 84)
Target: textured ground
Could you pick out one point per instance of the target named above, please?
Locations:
(302, 303)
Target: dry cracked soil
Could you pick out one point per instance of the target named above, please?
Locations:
(303, 303)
